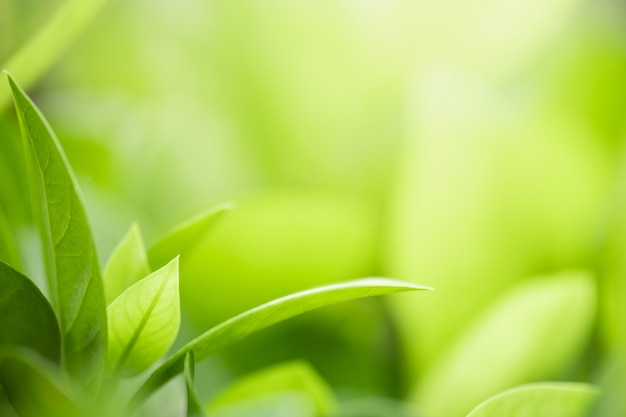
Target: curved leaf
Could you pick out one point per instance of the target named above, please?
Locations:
(33, 59)
(69, 250)
(127, 265)
(263, 316)
(144, 321)
(26, 318)
(183, 236)
(34, 388)
(532, 334)
(292, 376)
(194, 409)
(543, 399)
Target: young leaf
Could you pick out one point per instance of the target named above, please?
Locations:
(144, 321)
(514, 343)
(71, 260)
(292, 376)
(185, 235)
(543, 399)
(33, 59)
(263, 316)
(194, 409)
(33, 386)
(127, 265)
(26, 318)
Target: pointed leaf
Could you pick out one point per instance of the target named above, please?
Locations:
(194, 409)
(543, 399)
(72, 263)
(34, 388)
(26, 318)
(265, 315)
(182, 237)
(144, 321)
(292, 376)
(513, 343)
(127, 265)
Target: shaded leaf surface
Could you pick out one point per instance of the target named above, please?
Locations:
(265, 315)
(26, 318)
(194, 409)
(71, 260)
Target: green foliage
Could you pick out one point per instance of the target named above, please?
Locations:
(548, 399)
(72, 265)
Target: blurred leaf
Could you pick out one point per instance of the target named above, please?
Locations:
(293, 376)
(543, 399)
(127, 265)
(34, 387)
(69, 250)
(194, 409)
(375, 407)
(144, 321)
(513, 343)
(276, 404)
(184, 236)
(52, 39)
(26, 318)
(265, 315)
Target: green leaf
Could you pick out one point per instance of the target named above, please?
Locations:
(292, 376)
(26, 318)
(533, 333)
(184, 236)
(194, 409)
(543, 399)
(127, 265)
(33, 59)
(263, 316)
(144, 321)
(34, 387)
(71, 260)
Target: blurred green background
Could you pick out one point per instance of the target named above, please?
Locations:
(465, 145)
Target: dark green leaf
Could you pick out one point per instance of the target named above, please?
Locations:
(34, 387)
(543, 399)
(184, 236)
(26, 318)
(265, 315)
(194, 409)
(71, 260)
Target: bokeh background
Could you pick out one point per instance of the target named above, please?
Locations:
(473, 146)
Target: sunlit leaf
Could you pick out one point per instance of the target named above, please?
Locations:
(127, 265)
(194, 409)
(543, 399)
(144, 321)
(182, 237)
(71, 259)
(33, 386)
(533, 333)
(26, 318)
(263, 316)
(293, 376)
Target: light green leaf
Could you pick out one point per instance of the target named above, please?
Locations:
(194, 409)
(543, 399)
(127, 265)
(144, 321)
(531, 334)
(34, 387)
(292, 376)
(26, 318)
(182, 237)
(265, 315)
(71, 259)
(33, 59)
